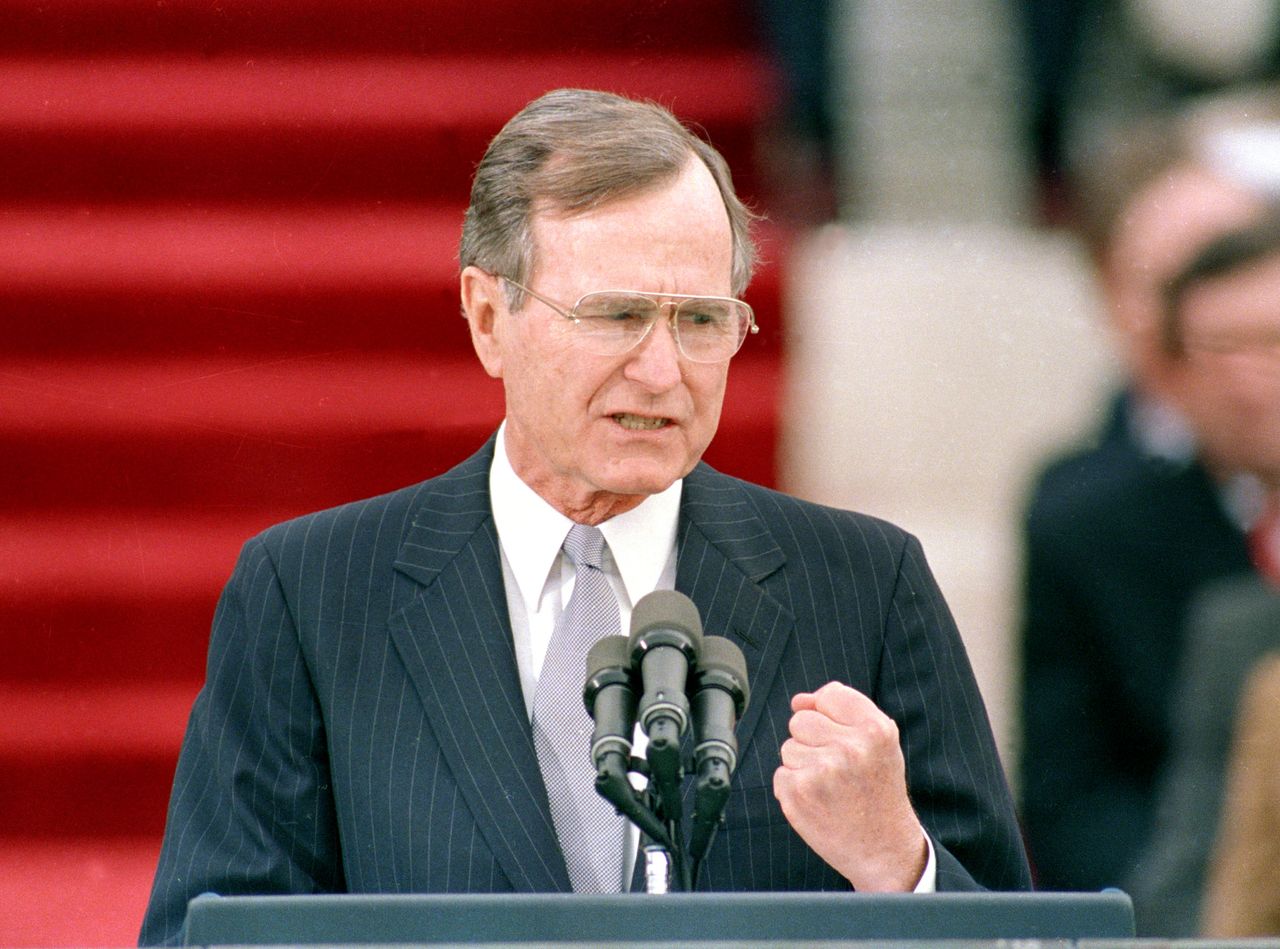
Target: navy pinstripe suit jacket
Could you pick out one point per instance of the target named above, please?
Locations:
(362, 726)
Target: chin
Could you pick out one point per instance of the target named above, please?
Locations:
(643, 479)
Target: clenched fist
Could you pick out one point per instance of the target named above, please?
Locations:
(843, 789)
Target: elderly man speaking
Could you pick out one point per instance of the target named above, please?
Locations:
(393, 699)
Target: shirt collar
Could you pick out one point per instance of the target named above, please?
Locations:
(641, 541)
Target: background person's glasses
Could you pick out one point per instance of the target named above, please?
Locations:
(1261, 342)
(611, 322)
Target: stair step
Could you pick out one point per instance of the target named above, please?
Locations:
(119, 743)
(226, 434)
(152, 280)
(63, 250)
(47, 723)
(74, 891)
(410, 26)
(117, 421)
(78, 638)
(103, 597)
(133, 127)
(190, 466)
(298, 401)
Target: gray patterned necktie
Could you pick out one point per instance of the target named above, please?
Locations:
(589, 828)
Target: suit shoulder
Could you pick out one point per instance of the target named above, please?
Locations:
(388, 517)
(808, 525)
(1094, 479)
(349, 521)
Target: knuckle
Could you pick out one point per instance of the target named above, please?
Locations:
(885, 731)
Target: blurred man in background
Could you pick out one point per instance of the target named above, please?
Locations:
(1121, 535)
(1222, 332)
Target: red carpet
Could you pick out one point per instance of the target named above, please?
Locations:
(228, 241)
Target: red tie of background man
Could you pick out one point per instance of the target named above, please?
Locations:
(1264, 543)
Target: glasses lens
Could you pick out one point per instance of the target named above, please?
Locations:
(711, 330)
(611, 323)
(1261, 342)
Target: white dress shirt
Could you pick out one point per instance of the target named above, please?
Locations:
(640, 558)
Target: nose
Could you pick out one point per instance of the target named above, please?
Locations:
(655, 363)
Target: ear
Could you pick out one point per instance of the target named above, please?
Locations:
(482, 303)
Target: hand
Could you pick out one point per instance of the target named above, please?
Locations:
(843, 788)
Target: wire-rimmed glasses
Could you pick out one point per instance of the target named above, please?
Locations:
(612, 322)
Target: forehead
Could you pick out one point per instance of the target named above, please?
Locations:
(1242, 300)
(674, 237)
(1170, 220)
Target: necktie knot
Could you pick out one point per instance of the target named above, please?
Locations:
(585, 546)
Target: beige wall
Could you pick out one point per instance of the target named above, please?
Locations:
(931, 369)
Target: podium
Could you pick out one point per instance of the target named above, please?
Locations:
(744, 919)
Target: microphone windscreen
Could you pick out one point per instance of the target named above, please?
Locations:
(667, 610)
(722, 662)
(608, 653)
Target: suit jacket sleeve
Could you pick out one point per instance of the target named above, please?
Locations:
(251, 809)
(954, 773)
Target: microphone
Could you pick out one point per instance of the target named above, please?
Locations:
(610, 698)
(609, 694)
(721, 693)
(666, 633)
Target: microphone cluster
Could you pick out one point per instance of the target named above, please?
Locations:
(667, 677)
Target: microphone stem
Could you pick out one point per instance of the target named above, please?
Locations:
(613, 786)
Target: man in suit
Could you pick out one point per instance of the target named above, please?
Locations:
(1121, 539)
(373, 670)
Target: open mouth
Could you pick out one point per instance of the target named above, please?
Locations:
(640, 423)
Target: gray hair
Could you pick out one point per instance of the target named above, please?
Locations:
(571, 150)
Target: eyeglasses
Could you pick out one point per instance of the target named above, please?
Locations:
(1263, 342)
(612, 322)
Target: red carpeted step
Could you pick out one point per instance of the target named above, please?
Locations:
(96, 596)
(411, 26)
(305, 400)
(222, 435)
(74, 890)
(271, 128)
(134, 641)
(64, 746)
(154, 280)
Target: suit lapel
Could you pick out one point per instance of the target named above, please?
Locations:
(455, 640)
(725, 551)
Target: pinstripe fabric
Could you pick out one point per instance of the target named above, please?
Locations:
(362, 727)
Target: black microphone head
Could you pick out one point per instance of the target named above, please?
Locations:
(608, 663)
(665, 618)
(722, 665)
(608, 651)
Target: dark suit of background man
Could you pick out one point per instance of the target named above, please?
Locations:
(365, 723)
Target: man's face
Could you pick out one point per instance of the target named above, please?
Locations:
(1157, 234)
(1231, 334)
(596, 434)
